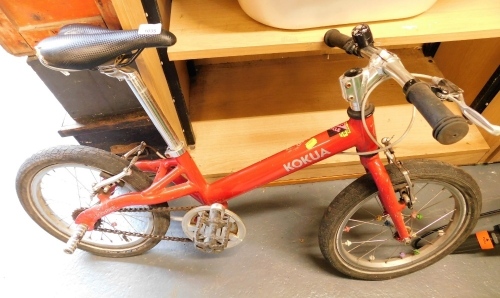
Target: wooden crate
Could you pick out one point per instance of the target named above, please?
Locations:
(24, 23)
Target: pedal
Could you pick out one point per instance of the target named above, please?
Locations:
(75, 238)
(213, 228)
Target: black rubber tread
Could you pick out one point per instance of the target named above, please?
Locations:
(364, 186)
(470, 245)
(95, 158)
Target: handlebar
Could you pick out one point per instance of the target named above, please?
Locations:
(333, 38)
(448, 128)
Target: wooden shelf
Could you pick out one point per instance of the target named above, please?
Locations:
(243, 112)
(249, 101)
(225, 146)
(113, 133)
(208, 28)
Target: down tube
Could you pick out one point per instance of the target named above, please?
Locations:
(312, 150)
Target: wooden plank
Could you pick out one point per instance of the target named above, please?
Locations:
(232, 33)
(495, 156)
(114, 133)
(71, 127)
(10, 39)
(177, 77)
(131, 15)
(291, 85)
(34, 34)
(227, 145)
(492, 114)
(287, 55)
(36, 13)
(469, 63)
(243, 112)
(108, 14)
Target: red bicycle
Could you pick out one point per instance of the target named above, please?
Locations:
(396, 219)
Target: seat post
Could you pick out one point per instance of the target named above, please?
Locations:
(131, 76)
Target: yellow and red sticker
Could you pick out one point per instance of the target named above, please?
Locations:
(342, 130)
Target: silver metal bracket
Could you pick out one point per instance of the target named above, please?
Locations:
(356, 83)
(105, 184)
(175, 152)
(352, 90)
(408, 193)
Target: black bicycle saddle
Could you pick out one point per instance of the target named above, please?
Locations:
(81, 46)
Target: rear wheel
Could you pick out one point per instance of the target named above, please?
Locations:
(357, 237)
(55, 185)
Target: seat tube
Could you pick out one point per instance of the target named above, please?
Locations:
(145, 98)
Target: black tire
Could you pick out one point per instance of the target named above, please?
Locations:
(357, 238)
(53, 210)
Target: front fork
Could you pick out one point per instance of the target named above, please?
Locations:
(373, 165)
(387, 195)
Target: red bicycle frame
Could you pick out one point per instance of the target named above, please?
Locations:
(179, 176)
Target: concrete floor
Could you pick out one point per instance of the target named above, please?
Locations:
(279, 257)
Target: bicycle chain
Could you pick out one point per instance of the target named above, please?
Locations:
(149, 236)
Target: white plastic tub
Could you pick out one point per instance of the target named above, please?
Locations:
(301, 14)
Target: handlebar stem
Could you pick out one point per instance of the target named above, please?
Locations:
(393, 67)
(357, 82)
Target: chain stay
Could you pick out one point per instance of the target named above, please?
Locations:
(149, 236)
(138, 150)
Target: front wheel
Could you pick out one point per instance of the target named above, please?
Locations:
(357, 237)
(54, 185)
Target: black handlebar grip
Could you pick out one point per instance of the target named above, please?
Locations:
(333, 38)
(448, 128)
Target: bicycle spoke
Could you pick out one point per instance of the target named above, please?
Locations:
(363, 242)
(416, 233)
(364, 222)
(393, 253)
(430, 242)
(433, 205)
(373, 249)
(431, 199)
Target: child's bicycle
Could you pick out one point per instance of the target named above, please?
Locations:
(394, 220)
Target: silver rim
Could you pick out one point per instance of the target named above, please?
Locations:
(365, 239)
(57, 191)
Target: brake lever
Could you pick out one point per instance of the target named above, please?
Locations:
(446, 90)
(474, 117)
